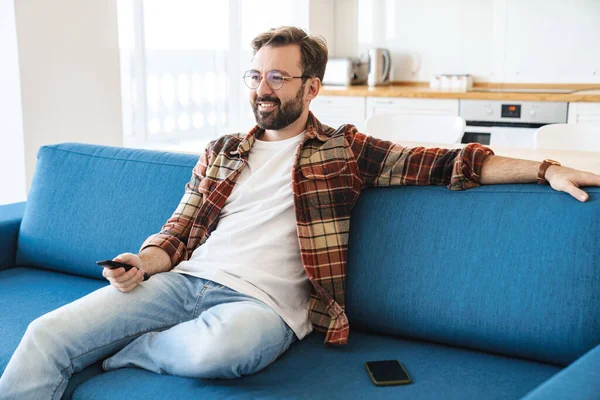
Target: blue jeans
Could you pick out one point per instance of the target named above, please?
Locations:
(172, 324)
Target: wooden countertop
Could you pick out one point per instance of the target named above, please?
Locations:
(581, 93)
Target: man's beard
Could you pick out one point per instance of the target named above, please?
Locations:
(283, 115)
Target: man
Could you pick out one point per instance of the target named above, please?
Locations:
(257, 245)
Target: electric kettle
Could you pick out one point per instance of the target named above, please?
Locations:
(380, 65)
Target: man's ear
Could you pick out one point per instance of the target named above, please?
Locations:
(313, 88)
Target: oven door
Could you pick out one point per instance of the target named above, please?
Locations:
(500, 136)
(477, 134)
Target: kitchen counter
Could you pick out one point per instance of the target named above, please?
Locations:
(580, 93)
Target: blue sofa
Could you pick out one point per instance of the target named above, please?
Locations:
(489, 293)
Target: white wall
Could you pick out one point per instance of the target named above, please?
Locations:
(321, 21)
(521, 41)
(12, 155)
(346, 28)
(69, 64)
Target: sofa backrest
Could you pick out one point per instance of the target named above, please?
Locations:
(89, 203)
(510, 269)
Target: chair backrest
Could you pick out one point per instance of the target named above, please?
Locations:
(398, 127)
(578, 137)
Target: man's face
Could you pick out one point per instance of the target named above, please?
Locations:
(276, 109)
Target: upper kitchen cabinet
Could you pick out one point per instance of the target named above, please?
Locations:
(495, 41)
(550, 41)
(377, 105)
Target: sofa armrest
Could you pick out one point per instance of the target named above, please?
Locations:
(10, 221)
(580, 380)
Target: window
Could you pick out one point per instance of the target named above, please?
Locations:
(182, 63)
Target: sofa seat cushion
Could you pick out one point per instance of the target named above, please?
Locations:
(28, 293)
(310, 371)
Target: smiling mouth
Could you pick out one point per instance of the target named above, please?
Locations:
(266, 104)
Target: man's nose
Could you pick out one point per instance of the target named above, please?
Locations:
(263, 88)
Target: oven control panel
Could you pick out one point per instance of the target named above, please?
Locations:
(511, 110)
(545, 112)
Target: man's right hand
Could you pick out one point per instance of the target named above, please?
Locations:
(125, 281)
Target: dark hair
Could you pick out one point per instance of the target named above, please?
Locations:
(313, 49)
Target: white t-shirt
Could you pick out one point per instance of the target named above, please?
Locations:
(254, 248)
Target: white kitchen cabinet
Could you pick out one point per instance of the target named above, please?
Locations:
(339, 110)
(584, 113)
(377, 105)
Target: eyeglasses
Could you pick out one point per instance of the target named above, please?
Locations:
(275, 79)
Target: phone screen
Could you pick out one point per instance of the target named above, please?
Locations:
(389, 372)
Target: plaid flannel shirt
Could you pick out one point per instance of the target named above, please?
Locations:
(332, 167)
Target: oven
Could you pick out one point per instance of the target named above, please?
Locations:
(508, 123)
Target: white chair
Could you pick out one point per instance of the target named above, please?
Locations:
(578, 137)
(397, 128)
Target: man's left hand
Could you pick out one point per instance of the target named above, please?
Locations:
(569, 180)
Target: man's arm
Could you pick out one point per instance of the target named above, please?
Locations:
(151, 260)
(498, 170)
(383, 163)
(174, 235)
(155, 260)
(162, 251)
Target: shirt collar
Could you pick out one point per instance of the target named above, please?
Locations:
(314, 130)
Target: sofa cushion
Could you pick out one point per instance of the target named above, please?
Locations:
(89, 203)
(310, 371)
(580, 380)
(28, 293)
(10, 220)
(512, 269)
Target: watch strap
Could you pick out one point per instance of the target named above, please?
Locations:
(541, 177)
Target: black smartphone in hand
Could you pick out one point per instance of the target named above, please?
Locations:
(115, 264)
(389, 372)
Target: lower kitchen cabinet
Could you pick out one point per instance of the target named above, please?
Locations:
(339, 110)
(377, 105)
(584, 113)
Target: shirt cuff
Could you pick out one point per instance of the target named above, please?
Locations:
(466, 173)
(174, 247)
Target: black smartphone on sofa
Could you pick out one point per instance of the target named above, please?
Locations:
(388, 372)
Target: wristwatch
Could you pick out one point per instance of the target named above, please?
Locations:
(541, 178)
